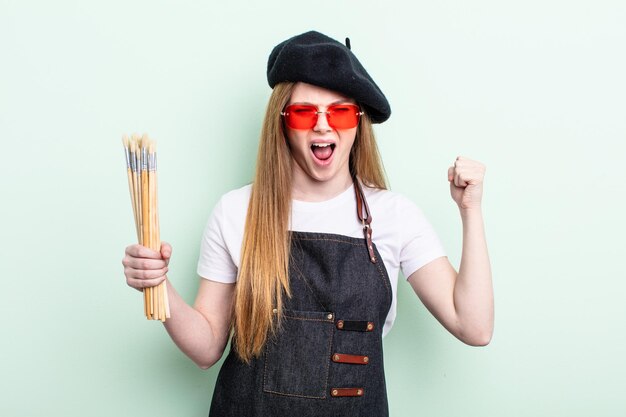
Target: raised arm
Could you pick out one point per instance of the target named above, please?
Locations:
(201, 331)
(463, 301)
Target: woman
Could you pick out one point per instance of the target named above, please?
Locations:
(315, 245)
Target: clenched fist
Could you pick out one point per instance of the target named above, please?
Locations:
(144, 267)
(466, 182)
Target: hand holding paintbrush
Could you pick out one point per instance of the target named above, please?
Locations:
(142, 182)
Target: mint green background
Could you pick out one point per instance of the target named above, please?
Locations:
(535, 90)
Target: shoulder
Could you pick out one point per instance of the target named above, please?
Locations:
(397, 217)
(231, 209)
(387, 202)
(236, 198)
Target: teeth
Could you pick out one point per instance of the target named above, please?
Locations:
(321, 145)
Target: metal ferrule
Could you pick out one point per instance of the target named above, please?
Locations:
(144, 159)
(126, 152)
(133, 162)
(151, 162)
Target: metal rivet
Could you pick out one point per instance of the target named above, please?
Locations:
(373, 259)
(335, 357)
(335, 392)
(330, 317)
(359, 392)
(370, 326)
(275, 311)
(340, 324)
(366, 359)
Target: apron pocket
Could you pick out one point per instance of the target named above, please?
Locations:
(298, 357)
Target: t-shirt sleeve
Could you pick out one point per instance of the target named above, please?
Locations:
(215, 261)
(420, 243)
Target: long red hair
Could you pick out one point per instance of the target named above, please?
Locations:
(264, 271)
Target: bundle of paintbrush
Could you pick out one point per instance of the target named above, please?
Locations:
(142, 184)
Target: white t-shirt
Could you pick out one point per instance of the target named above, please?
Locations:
(405, 239)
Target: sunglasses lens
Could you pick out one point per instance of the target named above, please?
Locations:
(301, 117)
(343, 116)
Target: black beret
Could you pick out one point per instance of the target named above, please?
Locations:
(316, 59)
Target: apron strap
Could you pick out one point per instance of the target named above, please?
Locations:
(363, 213)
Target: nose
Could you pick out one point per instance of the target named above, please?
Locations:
(322, 122)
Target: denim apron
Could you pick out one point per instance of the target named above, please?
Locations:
(327, 358)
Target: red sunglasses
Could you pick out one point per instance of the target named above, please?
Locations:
(338, 116)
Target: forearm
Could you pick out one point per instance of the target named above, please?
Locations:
(473, 290)
(192, 332)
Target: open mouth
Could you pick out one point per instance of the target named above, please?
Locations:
(323, 151)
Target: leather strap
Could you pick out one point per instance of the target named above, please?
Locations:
(353, 359)
(347, 392)
(363, 213)
(355, 325)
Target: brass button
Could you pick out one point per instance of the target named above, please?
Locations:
(370, 326)
(366, 359)
(359, 392)
(329, 316)
(334, 393)
(340, 324)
